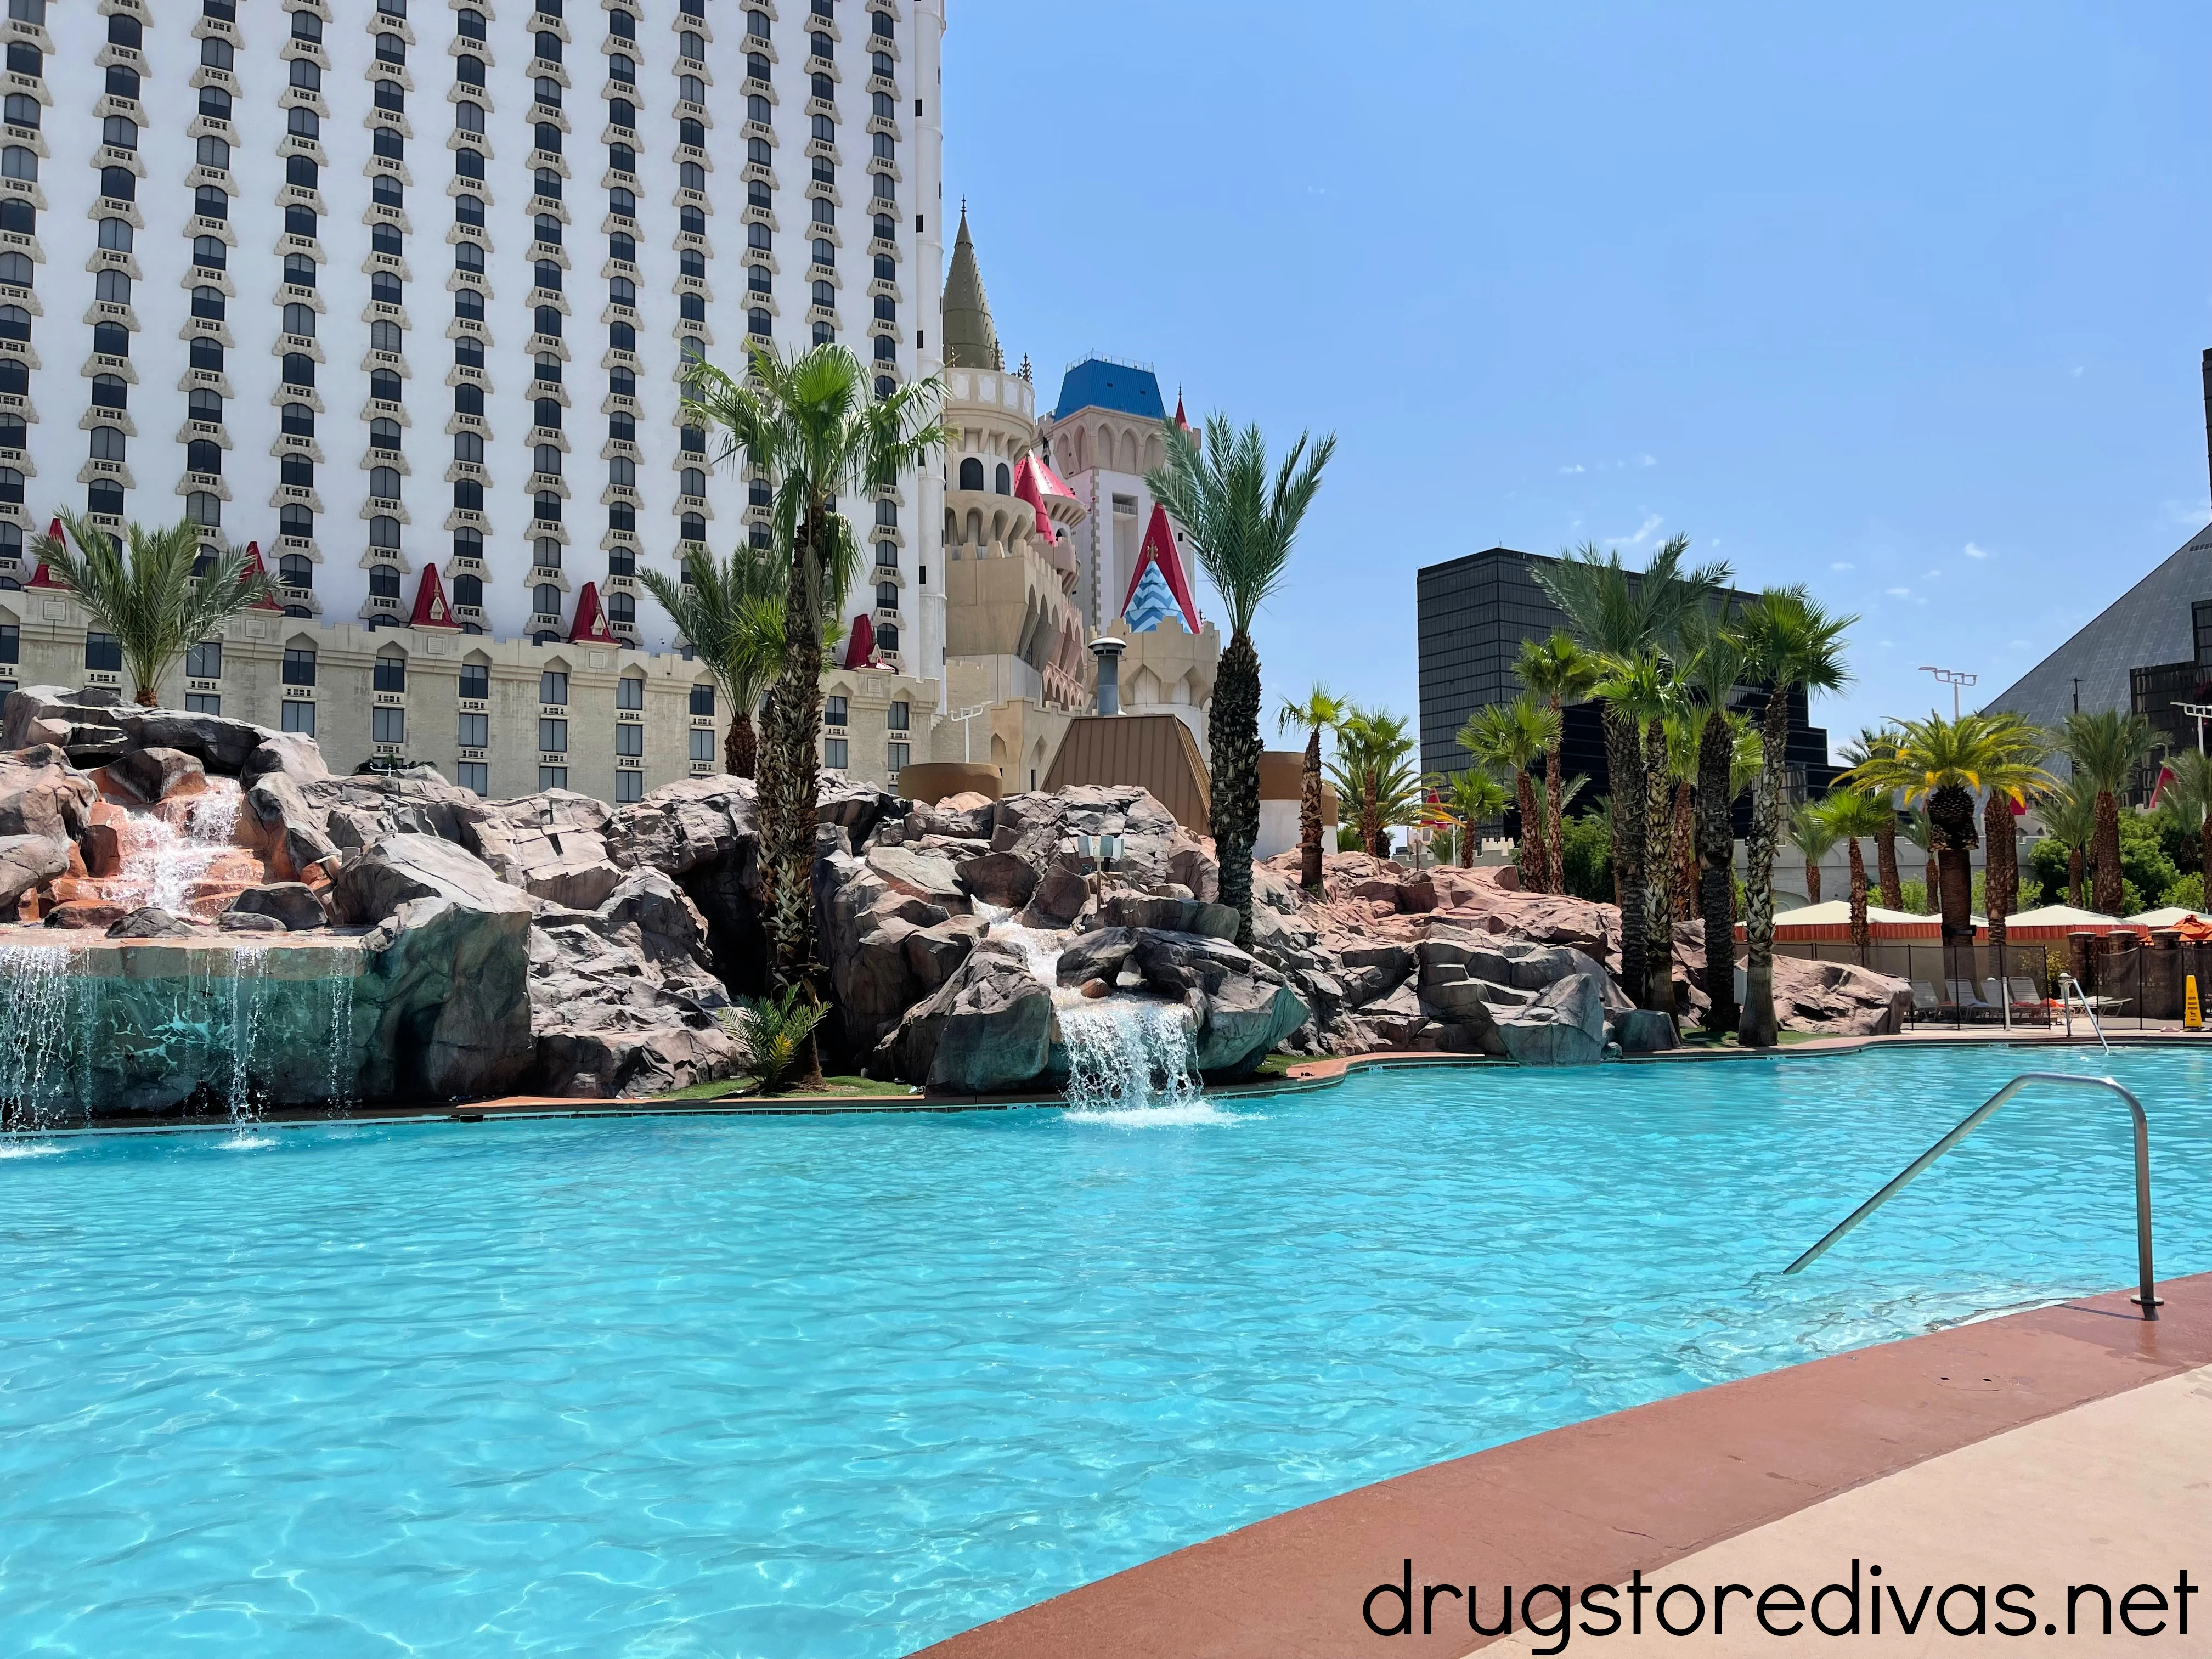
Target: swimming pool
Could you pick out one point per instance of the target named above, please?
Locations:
(770, 1388)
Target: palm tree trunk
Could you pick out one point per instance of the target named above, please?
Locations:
(2204, 849)
(145, 698)
(1624, 759)
(1716, 871)
(1951, 838)
(1466, 843)
(1934, 884)
(789, 786)
(1309, 815)
(1885, 853)
(2106, 847)
(1555, 832)
(1861, 935)
(1532, 877)
(1658, 988)
(1758, 1028)
(2001, 881)
(1686, 853)
(741, 748)
(1234, 726)
(1371, 820)
(1812, 881)
(2073, 877)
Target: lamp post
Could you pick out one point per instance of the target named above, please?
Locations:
(1953, 678)
(2199, 712)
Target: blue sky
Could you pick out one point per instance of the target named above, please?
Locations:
(1905, 301)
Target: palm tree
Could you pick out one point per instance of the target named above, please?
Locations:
(1570, 792)
(2188, 795)
(1941, 761)
(1559, 670)
(1512, 737)
(1872, 740)
(1813, 837)
(731, 616)
(1619, 614)
(1790, 641)
(1710, 669)
(1852, 814)
(1319, 712)
(150, 600)
(1917, 831)
(812, 429)
(2106, 747)
(2069, 813)
(1243, 526)
(1473, 798)
(2001, 838)
(1641, 687)
(1373, 768)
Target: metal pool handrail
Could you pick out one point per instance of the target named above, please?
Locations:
(2146, 1299)
(2067, 982)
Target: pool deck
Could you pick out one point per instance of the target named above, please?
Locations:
(2066, 1445)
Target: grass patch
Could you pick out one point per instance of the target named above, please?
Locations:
(1698, 1039)
(727, 1088)
(1278, 1065)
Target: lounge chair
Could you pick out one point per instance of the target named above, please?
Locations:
(1926, 1005)
(1970, 1004)
(2027, 1005)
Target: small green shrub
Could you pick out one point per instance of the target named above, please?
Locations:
(2187, 892)
(769, 1032)
(1588, 845)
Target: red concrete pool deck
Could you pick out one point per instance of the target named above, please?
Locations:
(2049, 1448)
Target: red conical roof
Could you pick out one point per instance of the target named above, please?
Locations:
(591, 624)
(1160, 549)
(1033, 481)
(255, 567)
(43, 577)
(860, 643)
(431, 610)
(1181, 424)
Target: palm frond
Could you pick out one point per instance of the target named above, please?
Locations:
(1241, 521)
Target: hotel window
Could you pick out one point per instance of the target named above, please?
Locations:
(629, 739)
(203, 703)
(476, 776)
(702, 744)
(553, 737)
(475, 681)
(388, 724)
(11, 642)
(392, 674)
(553, 687)
(835, 751)
(299, 717)
(703, 699)
(897, 757)
(629, 788)
(299, 667)
(832, 711)
(103, 654)
(552, 777)
(204, 661)
(902, 715)
(475, 732)
(629, 691)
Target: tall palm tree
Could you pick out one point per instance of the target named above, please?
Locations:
(1813, 837)
(1473, 799)
(1643, 690)
(2001, 837)
(1618, 614)
(2188, 795)
(1243, 524)
(1373, 768)
(1790, 641)
(1917, 831)
(1942, 762)
(1852, 814)
(2106, 747)
(732, 616)
(143, 590)
(1320, 712)
(1710, 669)
(2069, 813)
(1560, 671)
(1872, 740)
(1683, 731)
(1512, 737)
(812, 426)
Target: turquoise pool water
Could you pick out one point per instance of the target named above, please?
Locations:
(760, 1389)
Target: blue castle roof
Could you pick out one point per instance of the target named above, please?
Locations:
(1095, 383)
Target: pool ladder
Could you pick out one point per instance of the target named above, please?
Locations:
(2145, 1298)
(2069, 994)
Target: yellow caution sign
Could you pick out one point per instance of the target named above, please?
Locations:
(2192, 1012)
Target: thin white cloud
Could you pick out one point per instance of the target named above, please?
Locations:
(2077, 371)
(1647, 460)
(1644, 533)
(2018, 644)
(1839, 565)
(1576, 467)
(1974, 552)
(1899, 592)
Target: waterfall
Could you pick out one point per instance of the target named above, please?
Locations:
(164, 861)
(338, 1088)
(247, 986)
(34, 1008)
(1131, 1059)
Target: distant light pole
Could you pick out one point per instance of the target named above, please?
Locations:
(2199, 712)
(1953, 678)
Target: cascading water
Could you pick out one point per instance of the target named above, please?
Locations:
(340, 1076)
(171, 851)
(34, 1014)
(1131, 1059)
(247, 983)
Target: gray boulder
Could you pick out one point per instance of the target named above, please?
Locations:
(1240, 1008)
(1371, 972)
(152, 775)
(552, 845)
(42, 794)
(248, 921)
(1059, 900)
(446, 990)
(923, 875)
(287, 754)
(1174, 915)
(26, 862)
(222, 745)
(373, 884)
(151, 921)
(1643, 1031)
(1564, 1026)
(295, 833)
(987, 1029)
(291, 905)
(1004, 879)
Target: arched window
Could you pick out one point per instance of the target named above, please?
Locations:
(298, 420)
(621, 472)
(545, 553)
(15, 324)
(887, 636)
(887, 596)
(300, 319)
(204, 455)
(693, 480)
(384, 583)
(383, 385)
(121, 133)
(295, 521)
(108, 390)
(622, 611)
(295, 570)
(469, 446)
(760, 324)
(545, 599)
(383, 434)
(210, 203)
(390, 97)
(204, 508)
(469, 591)
(384, 483)
(303, 171)
(384, 531)
(296, 472)
(546, 460)
(692, 527)
(1005, 484)
(971, 473)
(116, 235)
(299, 369)
(108, 444)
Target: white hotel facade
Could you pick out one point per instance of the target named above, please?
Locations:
(402, 290)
